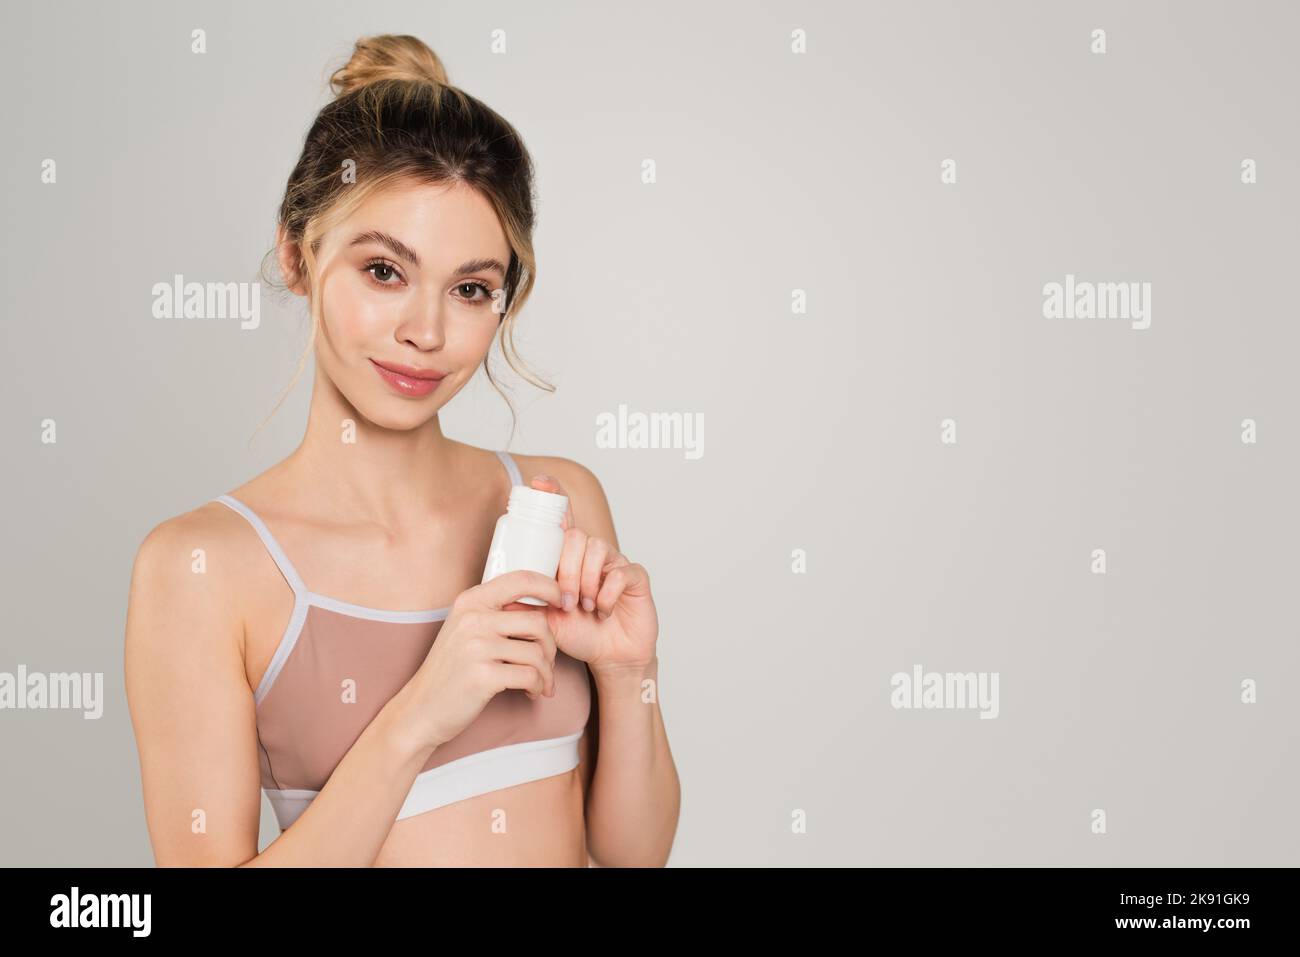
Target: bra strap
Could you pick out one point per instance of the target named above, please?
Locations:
(509, 461)
(277, 553)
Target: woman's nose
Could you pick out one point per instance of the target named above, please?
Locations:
(423, 324)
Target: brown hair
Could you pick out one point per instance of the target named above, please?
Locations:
(396, 117)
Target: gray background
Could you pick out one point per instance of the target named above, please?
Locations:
(776, 172)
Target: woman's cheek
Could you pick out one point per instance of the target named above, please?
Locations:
(353, 316)
(484, 331)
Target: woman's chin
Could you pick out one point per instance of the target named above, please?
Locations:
(399, 415)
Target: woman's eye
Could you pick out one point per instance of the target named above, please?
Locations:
(468, 290)
(382, 272)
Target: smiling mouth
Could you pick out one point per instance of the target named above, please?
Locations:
(406, 380)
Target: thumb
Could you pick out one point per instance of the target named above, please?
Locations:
(548, 483)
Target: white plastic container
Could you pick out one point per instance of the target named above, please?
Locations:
(528, 535)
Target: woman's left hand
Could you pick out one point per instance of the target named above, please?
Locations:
(611, 623)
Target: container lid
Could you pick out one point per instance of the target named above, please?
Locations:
(525, 496)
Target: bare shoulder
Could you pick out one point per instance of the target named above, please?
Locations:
(591, 510)
(191, 706)
(189, 569)
(210, 543)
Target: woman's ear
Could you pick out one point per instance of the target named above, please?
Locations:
(290, 258)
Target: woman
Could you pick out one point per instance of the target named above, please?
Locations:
(283, 636)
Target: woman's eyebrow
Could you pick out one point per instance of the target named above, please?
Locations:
(399, 248)
(403, 251)
(481, 265)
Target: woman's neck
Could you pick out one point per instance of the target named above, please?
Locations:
(363, 470)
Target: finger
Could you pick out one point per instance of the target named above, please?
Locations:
(524, 677)
(511, 586)
(570, 569)
(548, 483)
(593, 567)
(522, 652)
(529, 626)
(624, 579)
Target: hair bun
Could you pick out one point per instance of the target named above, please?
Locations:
(388, 57)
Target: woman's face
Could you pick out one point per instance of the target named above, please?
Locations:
(407, 293)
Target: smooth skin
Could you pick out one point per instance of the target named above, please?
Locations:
(399, 519)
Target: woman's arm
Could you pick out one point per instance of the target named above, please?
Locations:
(195, 725)
(634, 798)
(635, 795)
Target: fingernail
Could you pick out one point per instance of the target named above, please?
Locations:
(588, 604)
(568, 600)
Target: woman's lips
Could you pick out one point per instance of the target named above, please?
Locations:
(405, 380)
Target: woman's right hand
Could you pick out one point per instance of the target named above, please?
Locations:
(489, 642)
